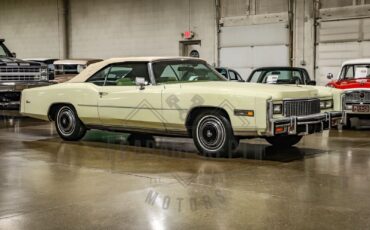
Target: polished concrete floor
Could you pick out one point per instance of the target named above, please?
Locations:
(103, 183)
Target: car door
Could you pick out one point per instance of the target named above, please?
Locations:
(122, 103)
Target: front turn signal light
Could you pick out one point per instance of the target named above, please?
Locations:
(245, 113)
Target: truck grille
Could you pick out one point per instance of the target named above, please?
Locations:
(357, 97)
(20, 73)
(301, 107)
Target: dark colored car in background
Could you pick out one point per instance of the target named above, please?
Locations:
(16, 75)
(281, 75)
(230, 74)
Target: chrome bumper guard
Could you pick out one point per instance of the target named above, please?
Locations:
(19, 86)
(304, 125)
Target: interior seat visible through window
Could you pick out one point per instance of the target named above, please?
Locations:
(122, 74)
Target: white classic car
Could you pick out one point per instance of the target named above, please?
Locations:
(181, 97)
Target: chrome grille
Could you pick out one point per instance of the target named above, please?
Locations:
(301, 107)
(15, 73)
(18, 78)
(357, 97)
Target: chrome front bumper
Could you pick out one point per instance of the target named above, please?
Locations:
(304, 125)
(347, 114)
(19, 86)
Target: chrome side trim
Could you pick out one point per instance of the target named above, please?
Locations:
(127, 107)
(158, 132)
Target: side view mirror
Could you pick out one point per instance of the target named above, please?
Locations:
(330, 76)
(14, 54)
(312, 83)
(140, 81)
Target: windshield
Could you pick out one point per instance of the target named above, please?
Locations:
(4, 52)
(277, 77)
(184, 71)
(355, 72)
(223, 72)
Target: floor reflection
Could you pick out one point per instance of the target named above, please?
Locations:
(324, 180)
(161, 146)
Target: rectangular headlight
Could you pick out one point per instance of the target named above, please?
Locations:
(327, 104)
(44, 78)
(348, 107)
(322, 104)
(277, 109)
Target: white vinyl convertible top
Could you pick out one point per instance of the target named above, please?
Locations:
(91, 69)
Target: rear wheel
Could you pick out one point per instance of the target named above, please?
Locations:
(213, 134)
(68, 125)
(284, 141)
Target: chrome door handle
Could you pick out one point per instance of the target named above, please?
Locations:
(103, 94)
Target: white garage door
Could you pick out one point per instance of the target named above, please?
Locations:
(339, 41)
(244, 48)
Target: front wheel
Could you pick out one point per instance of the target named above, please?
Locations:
(68, 125)
(213, 134)
(284, 141)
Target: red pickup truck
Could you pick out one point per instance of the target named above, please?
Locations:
(354, 79)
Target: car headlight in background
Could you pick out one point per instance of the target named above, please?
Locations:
(44, 73)
(348, 107)
(44, 77)
(327, 104)
(277, 109)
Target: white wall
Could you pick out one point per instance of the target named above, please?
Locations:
(112, 28)
(30, 27)
(108, 28)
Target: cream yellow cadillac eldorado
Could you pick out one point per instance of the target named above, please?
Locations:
(181, 97)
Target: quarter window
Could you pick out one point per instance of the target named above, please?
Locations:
(123, 74)
(350, 72)
(233, 76)
(99, 77)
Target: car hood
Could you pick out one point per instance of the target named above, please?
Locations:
(351, 84)
(274, 92)
(10, 61)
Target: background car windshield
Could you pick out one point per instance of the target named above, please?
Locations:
(184, 71)
(66, 69)
(280, 77)
(355, 71)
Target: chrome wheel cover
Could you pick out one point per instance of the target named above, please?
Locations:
(66, 121)
(211, 133)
